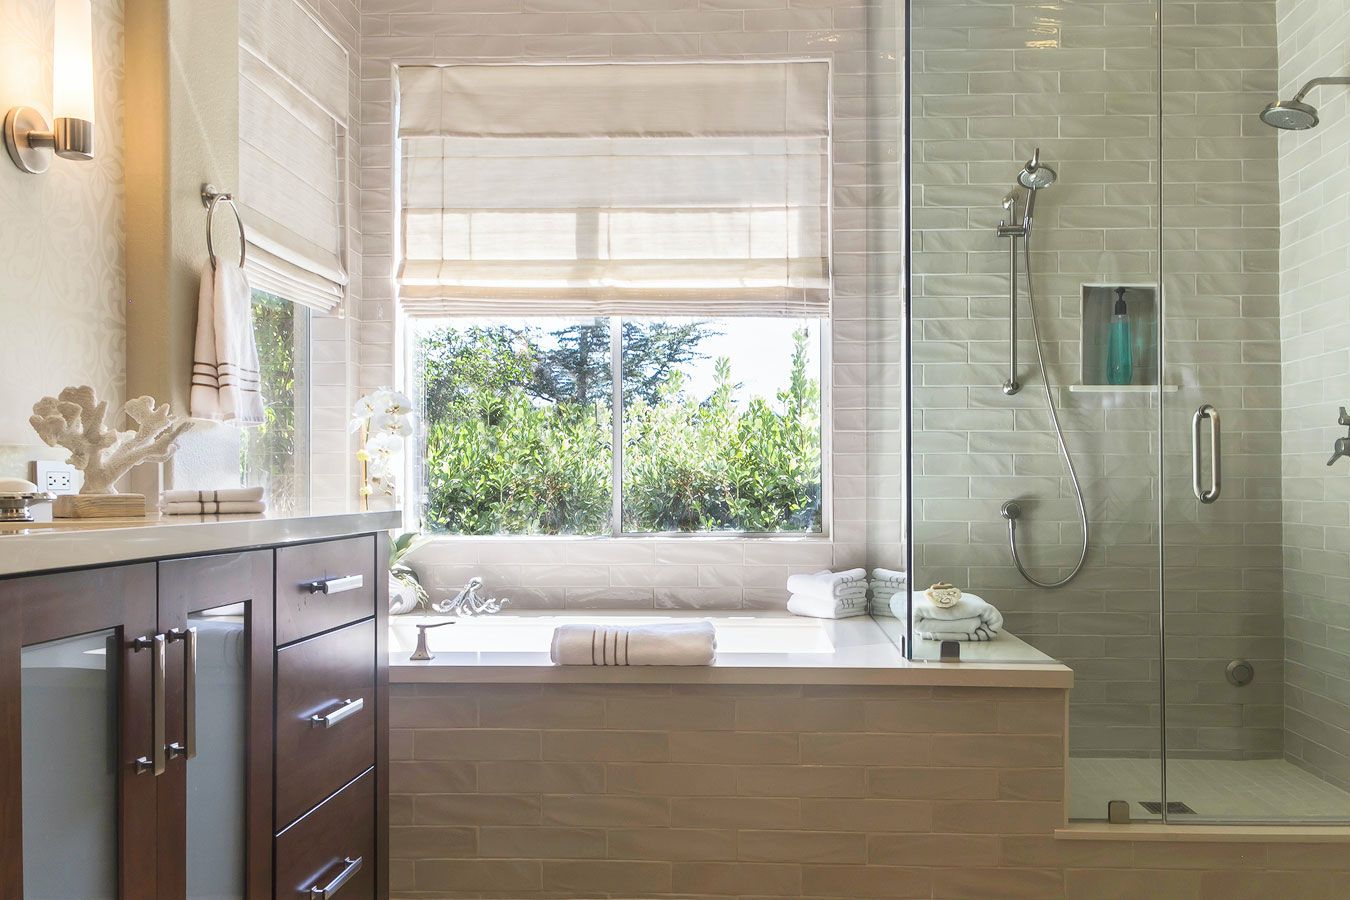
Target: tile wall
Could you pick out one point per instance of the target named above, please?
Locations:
(717, 791)
(992, 82)
(860, 39)
(1315, 342)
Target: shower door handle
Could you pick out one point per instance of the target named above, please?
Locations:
(1215, 455)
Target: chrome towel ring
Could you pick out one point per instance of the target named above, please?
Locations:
(211, 198)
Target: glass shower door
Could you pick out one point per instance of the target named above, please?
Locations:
(1257, 340)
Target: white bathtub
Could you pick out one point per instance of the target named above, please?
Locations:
(531, 632)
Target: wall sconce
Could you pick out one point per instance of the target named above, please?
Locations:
(28, 138)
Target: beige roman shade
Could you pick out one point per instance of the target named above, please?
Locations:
(628, 189)
(292, 128)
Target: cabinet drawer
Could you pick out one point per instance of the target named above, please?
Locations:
(336, 839)
(322, 586)
(325, 733)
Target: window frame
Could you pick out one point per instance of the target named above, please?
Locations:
(418, 476)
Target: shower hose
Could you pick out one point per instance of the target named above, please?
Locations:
(1059, 436)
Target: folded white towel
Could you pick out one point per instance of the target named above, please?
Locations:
(850, 583)
(971, 619)
(674, 644)
(825, 608)
(886, 581)
(224, 495)
(225, 382)
(211, 509)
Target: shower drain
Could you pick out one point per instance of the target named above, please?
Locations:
(1174, 807)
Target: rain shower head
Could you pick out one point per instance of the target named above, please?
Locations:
(1035, 175)
(1295, 115)
(1290, 115)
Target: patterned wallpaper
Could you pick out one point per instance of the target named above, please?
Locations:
(62, 273)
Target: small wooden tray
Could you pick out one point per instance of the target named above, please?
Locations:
(99, 506)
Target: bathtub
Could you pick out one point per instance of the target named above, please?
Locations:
(528, 632)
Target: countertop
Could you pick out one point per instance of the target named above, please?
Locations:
(33, 547)
(858, 652)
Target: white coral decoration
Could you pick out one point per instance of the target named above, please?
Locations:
(386, 417)
(75, 420)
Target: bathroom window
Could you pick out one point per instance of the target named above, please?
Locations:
(275, 454)
(618, 276)
(718, 425)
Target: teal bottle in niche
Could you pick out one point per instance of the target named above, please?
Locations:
(1119, 344)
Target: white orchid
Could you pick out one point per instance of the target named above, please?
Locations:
(388, 423)
(386, 418)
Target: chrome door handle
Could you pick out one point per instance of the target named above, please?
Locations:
(336, 585)
(188, 748)
(156, 762)
(1215, 452)
(350, 867)
(348, 709)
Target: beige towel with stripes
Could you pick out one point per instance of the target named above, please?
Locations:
(674, 644)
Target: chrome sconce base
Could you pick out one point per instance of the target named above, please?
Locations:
(31, 144)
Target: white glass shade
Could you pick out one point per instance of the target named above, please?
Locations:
(73, 61)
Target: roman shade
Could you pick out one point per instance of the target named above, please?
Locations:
(292, 128)
(697, 189)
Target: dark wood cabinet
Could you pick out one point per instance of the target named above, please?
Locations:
(163, 735)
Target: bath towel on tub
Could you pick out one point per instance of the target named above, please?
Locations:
(673, 644)
(970, 619)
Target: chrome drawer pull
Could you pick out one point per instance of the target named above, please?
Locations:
(336, 585)
(157, 761)
(346, 710)
(350, 867)
(188, 748)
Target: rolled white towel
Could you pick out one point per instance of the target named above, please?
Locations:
(971, 619)
(826, 608)
(224, 495)
(851, 583)
(211, 509)
(673, 644)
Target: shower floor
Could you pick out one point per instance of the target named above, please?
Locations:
(1254, 789)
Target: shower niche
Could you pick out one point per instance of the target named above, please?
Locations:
(1106, 369)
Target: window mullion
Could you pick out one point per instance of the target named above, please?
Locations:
(616, 428)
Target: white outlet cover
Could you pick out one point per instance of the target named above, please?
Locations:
(57, 477)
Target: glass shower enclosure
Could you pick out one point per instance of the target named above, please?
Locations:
(1128, 365)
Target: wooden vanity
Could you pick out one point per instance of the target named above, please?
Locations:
(195, 708)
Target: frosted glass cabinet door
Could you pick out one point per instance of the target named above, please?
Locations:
(217, 612)
(78, 817)
(69, 729)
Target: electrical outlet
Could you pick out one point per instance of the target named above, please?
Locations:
(57, 477)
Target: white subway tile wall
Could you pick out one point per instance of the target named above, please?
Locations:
(993, 81)
(335, 347)
(861, 42)
(1315, 363)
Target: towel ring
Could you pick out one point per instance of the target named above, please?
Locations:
(211, 198)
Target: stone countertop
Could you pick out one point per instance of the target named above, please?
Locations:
(28, 548)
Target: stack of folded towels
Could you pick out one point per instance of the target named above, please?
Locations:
(227, 501)
(828, 595)
(944, 613)
(888, 586)
(673, 644)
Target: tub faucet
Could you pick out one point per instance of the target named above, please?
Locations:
(468, 603)
(423, 652)
(1342, 445)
